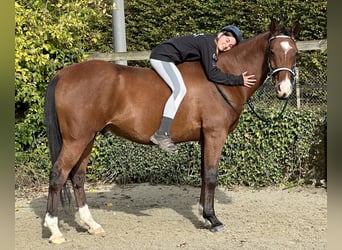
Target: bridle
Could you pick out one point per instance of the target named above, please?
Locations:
(271, 70)
(271, 73)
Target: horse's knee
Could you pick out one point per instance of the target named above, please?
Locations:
(210, 178)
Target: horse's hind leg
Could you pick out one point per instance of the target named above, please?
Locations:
(58, 176)
(77, 176)
(67, 159)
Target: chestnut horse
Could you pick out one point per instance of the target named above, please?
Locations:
(97, 96)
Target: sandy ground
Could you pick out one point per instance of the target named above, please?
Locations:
(166, 217)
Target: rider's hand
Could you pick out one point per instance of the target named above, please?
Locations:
(248, 80)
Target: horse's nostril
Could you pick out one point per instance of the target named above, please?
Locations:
(278, 88)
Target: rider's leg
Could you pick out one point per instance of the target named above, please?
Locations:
(171, 75)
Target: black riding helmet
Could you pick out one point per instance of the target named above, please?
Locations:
(235, 31)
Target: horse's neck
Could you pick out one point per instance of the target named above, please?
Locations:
(250, 56)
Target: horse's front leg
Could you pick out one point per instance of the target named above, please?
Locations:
(77, 176)
(211, 151)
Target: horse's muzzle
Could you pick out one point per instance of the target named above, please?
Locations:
(284, 89)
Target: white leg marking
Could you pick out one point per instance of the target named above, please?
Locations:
(52, 224)
(85, 216)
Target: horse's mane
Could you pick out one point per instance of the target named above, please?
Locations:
(234, 60)
(247, 43)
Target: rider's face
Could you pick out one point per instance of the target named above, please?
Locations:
(225, 43)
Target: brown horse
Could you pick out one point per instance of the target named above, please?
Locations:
(97, 96)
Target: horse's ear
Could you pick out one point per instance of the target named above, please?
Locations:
(295, 29)
(274, 27)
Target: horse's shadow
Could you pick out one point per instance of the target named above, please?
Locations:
(133, 199)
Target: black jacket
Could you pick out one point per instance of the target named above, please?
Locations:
(195, 48)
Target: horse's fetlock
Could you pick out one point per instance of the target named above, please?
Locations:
(208, 213)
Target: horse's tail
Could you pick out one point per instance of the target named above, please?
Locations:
(51, 121)
(53, 132)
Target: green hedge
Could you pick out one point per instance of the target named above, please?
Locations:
(48, 36)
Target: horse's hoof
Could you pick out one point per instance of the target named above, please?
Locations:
(217, 229)
(96, 231)
(57, 239)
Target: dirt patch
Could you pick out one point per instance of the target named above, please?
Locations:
(166, 217)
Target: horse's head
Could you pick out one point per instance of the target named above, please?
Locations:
(282, 57)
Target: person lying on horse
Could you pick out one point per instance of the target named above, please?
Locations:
(197, 47)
